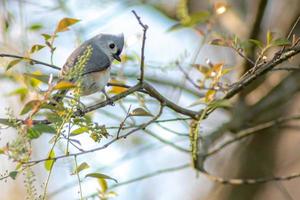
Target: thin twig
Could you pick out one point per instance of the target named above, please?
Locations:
(142, 126)
(251, 131)
(166, 142)
(291, 31)
(78, 178)
(249, 181)
(30, 60)
(146, 176)
(158, 172)
(245, 81)
(123, 122)
(145, 28)
(244, 56)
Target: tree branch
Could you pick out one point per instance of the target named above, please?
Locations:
(145, 28)
(251, 131)
(142, 126)
(33, 61)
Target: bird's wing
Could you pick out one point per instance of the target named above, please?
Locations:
(98, 61)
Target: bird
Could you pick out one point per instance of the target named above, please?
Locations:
(102, 50)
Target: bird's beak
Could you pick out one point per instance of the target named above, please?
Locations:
(117, 57)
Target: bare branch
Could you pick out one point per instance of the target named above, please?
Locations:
(33, 61)
(158, 172)
(166, 142)
(250, 181)
(288, 53)
(142, 126)
(145, 28)
(251, 131)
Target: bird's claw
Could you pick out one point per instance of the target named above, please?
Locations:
(110, 102)
(79, 112)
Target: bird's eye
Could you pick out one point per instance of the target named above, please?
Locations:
(112, 45)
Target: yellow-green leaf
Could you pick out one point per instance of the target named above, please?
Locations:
(269, 37)
(2, 151)
(41, 77)
(111, 194)
(35, 27)
(65, 23)
(140, 112)
(103, 184)
(36, 48)
(219, 42)
(199, 17)
(6, 122)
(209, 96)
(29, 106)
(223, 103)
(256, 42)
(49, 163)
(46, 36)
(81, 167)
(79, 131)
(62, 85)
(99, 175)
(12, 63)
(117, 89)
(22, 92)
(201, 68)
(281, 42)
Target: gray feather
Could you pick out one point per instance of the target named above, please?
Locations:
(98, 61)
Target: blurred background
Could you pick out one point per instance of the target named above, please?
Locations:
(179, 41)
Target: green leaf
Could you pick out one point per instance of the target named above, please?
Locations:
(29, 106)
(223, 103)
(79, 131)
(111, 194)
(209, 96)
(199, 17)
(12, 63)
(49, 163)
(256, 43)
(38, 129)
(81, 167)
(35, 27)
(64, 85)
(46, 36)
(53, 117)
(36, 48)
(269, 37)
(140, 112)
(13, 174)
(22, 92)
(281, 42)
(33, 134)
(201, 68)
(41, 77)
(65, 23)
(6, 122)
(99, 175)
(175, 27)
(219, 42)
(103, 184)
(2, 151)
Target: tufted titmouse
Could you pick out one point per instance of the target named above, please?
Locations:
(104, 48)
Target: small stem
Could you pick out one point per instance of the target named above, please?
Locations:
(78, 178)
(30, 59)
(145, 28)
